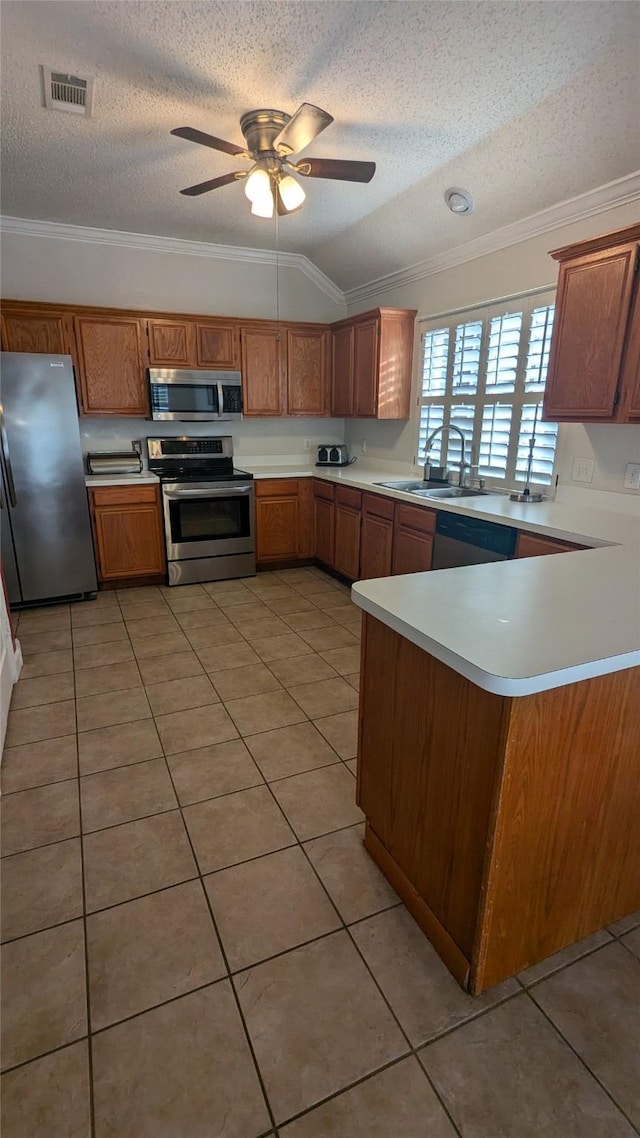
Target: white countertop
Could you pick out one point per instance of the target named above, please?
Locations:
(143, 479)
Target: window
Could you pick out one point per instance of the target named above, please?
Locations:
(486, 375)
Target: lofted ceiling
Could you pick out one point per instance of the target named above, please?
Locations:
(522, 103)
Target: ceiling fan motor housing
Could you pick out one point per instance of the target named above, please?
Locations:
(261, 128)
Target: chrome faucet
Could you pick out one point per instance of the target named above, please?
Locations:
(464, 466)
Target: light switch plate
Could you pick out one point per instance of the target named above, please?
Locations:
(632, 476)
(582, 470)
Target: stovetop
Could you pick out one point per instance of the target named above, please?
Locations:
(203, 474)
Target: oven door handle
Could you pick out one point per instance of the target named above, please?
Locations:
(217, 493)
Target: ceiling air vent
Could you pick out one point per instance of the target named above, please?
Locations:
(69, 93)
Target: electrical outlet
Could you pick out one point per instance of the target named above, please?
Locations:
(582, 470)
(632, 476)
(363, 446)
(307, 444)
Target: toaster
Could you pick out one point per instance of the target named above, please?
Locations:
(332, 454)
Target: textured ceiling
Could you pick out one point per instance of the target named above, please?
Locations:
(524, 104)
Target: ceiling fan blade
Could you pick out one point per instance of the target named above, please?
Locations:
(336, 168)
(213, 184)
(305, 125)
(193, 135)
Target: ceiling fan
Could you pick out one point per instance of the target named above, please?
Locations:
(272, 138)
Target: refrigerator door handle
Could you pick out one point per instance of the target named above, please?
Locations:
(4, 443)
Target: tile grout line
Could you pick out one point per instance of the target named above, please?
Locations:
(84, 916)
(579, 1057)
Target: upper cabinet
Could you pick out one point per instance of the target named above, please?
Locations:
(111, 361)
(372, 360)
(593, 363)
(46, 333)
(262, 380)
(190, 344)
(307, 370)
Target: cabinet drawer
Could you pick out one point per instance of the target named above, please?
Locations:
(323, 490)
(377, 505)
(276, 487)
(417, 518)
(123, 495)
(536, 545)
(348, 497)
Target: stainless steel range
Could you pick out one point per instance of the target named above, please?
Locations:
(208, 509)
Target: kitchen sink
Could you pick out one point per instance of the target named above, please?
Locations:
(450, 492)
(408, 487)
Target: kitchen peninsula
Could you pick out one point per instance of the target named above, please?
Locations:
(499, 752)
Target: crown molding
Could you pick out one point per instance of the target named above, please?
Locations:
(620, 192)
(118, 238)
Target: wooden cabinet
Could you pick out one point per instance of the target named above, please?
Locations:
(592, 345)
(46, 333)
(346, 552)
(376, 539)
(307, 371)
(283, 519)
(171, 343)
(630, 376)
(414, 527)
(365, 368)
(127, 526)
(372, 358)
(111, 361)
(217, 346)
(190, 344)
(262, 386)
(535, 545)
(323, 521)
(342, 339)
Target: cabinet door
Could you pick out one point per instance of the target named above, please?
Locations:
(533, 545)
(412, 551)
(365, 386)
(346, 555)
(376, 544)
(323, 514)
(111, 358)
(277, 528)
(35, 332)
(128, 531)
(307, 387)
(631, 366)
(342, 371)
(217, 346)
(261, 371)
(592, 311)
(171, 343)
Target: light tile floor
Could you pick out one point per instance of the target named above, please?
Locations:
(196, 943)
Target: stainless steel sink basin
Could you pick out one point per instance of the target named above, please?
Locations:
(450, 492)
(408, 487)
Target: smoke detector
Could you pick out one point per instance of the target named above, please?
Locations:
(70, 93)
(458, 201)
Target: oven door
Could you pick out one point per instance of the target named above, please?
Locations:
(208, 519)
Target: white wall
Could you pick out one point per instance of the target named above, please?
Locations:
(73, 271)
(523, 266)
(254, 439)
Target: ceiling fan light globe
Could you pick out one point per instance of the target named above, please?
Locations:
(291, 192)
(257, 185)
(263, 206)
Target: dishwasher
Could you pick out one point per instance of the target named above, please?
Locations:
(470, 541)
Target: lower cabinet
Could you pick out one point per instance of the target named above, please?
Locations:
(283, 519)
(346, 553)
(128, 532)
(414, 528)
(376, 540)
(323, 521)
(534, 545)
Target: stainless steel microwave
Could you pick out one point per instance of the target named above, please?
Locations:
(195, 396)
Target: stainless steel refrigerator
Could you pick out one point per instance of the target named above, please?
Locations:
(47, 550)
